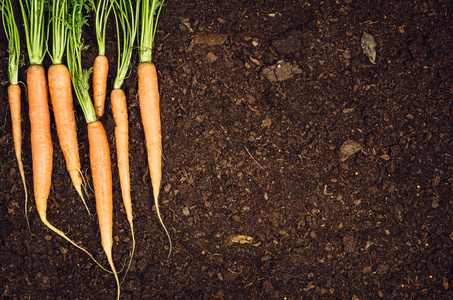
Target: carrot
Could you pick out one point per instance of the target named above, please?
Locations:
(119, 109)
(148, 94)
(101, 65)
(100, 72)
(99, 148)
(126, 27)
(61, 95)
(12, 34)
(101, 171)
(14, 104)
(41, 143)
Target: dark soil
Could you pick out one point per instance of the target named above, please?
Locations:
(257, 98)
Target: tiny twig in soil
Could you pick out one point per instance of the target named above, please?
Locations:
(253, 158)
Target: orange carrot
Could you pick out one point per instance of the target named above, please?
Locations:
(14, 104)
(148, 93)
(126, 27)
(99, 148)
(12, 34)
(61, 97)
(102, 10)
(61, 93)
(101, 170)
(41, 143)
(119, 109)
(100, 72)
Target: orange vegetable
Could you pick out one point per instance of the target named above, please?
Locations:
(41, 142)
(14, 104)
(12, 34)
(148, 93)
(101, 171)
(100, 72)
(119, 109)
(62, 103)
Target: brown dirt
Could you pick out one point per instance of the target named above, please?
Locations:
(246, 155)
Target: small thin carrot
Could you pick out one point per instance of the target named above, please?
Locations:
(126, 27)
(99, 148)
(14, 92)
(102, 10)
(100, 73)
(101, 171)
(61, 95)
(119, 109)
(148, 94)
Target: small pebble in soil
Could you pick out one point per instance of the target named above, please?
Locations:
(210, 58)
(185, 211)
(281, 71)
(348, 149)
(369, 46)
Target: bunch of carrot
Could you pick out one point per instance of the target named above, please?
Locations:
(66, 19)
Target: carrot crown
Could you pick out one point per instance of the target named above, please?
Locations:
(12, 34)
(150, 15)
(127, 21)
(33, 15)
(58, 24)
(79, 76)
(102, 10)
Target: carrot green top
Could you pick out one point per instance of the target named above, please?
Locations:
(79, 76)
(33, 15)
(59, 25)
(12, 34)
(102, 10)
(127, 21)
(149, 17)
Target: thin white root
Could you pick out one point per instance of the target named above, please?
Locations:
(132, 251)
(156, 202)
(22, 175)
(110, 260)
(63, 235)
(79, 191)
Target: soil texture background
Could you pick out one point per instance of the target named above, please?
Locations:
(277, 131)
